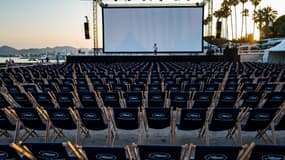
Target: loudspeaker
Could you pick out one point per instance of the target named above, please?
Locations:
(86, 30)
(218, 29)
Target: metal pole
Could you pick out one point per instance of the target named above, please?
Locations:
(95, 47)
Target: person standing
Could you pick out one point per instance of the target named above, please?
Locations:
(155, 48)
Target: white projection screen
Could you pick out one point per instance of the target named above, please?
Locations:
(137, 29)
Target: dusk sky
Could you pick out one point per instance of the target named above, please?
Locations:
(49, 23)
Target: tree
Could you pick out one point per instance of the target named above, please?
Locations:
(242, 21)
(269, 16)
(245, 15)
(258, 19)
(264, 18)
(234, 3)
(278, 27)
(255, 3)
(226, 12)
(218, 14)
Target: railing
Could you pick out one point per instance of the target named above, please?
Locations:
(249, 51)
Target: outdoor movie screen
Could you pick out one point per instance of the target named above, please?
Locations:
(139, 29)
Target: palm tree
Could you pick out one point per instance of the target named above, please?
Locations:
(242, 21)
(245, 15)
(269, 16)
(234, 3)
(263, 17)
(226, 12)
(258, 19)
(255, 3)
(218, 14)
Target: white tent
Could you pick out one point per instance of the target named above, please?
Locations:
(275, 54)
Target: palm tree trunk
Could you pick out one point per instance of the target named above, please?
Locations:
(242, 21)
(232, 29)
(236, 22)
(253, 29)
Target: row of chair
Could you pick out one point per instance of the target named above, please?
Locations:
(146, 99)
(140, 122)
(43, 151)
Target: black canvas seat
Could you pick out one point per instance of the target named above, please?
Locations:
(155, 152)
(216, 152)
(179, 99)
(88, 99)
(156, 99)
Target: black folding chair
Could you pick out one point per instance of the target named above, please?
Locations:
(265, 152)
(158, 119)
(22, 100)
(88, 99)
(202, 99)
(111, 99)
(190, 119)
(44, 99)
(179, 99)
(6, 125)
(156, 152)
(8, 153)
(95, 119)
(65, 100)
(156, 99)
(215, 152)
(3, 101)
(221, 119)
(134, 99)
(100, 153)
(257, 120)
(251, 99)
(126, 119)
(227, 100)
(61, 119)
(42, 151)
(31, 120)
(274, 100)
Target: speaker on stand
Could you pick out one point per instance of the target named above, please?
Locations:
(86, 28)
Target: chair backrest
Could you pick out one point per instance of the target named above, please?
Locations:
(88, 99)
(268, 152)
(179, 99)
(5, 123)
(7, 153)
(223, 119)
(281, 124)
(3, 102)
(156, 152)
(64, 99)
(192, 119)
(217, 152)
(111, 99)
(92, 118)
(156, 99)
(251, 99)
(44, 151)
(101, 153)
(259, 118)
(202, 99)
(274, 100)
(126, 118)
(158, 118)
(133, 99)
(30, 118)
(44, 100)
(22, 100)
(227, 99)
(61, 118)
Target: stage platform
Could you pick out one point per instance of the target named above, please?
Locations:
(149, 58)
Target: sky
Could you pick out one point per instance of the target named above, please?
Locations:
(50, 23)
